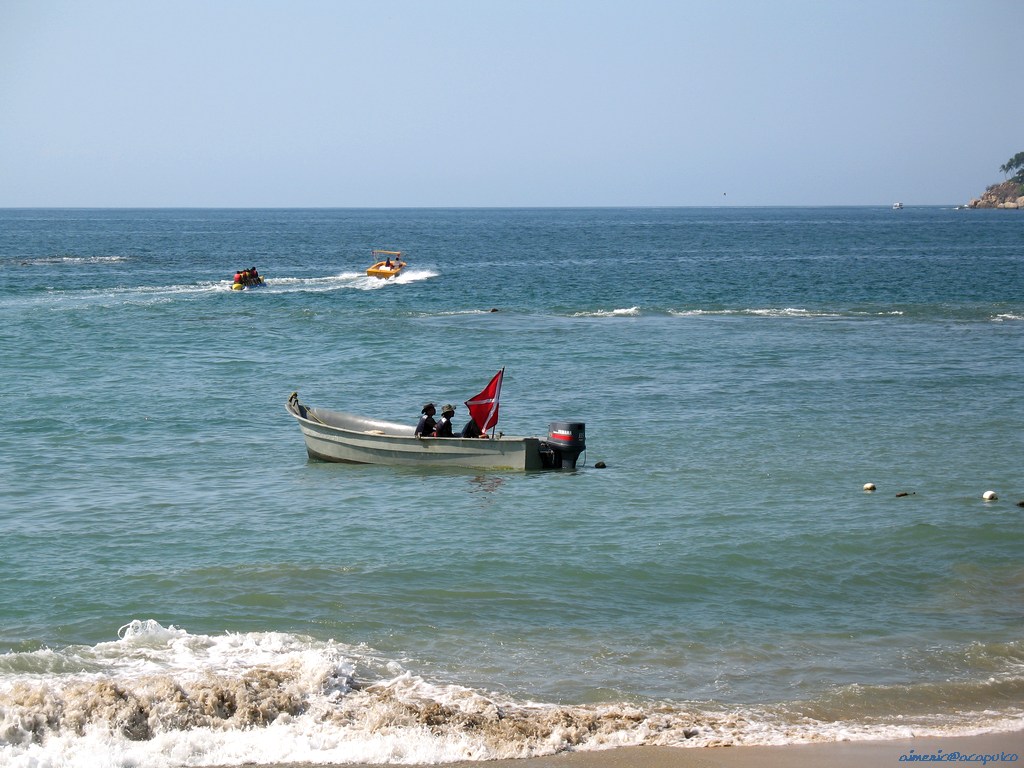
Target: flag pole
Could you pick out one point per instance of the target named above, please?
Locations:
(494, 427)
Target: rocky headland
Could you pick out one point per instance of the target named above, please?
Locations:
(1009, 194)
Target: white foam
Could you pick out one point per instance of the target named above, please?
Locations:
(626, 312)
(162, 697)
(74, 260)
(754, 312)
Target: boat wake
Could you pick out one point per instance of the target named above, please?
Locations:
(159, 696)
(359, 281)
(152, 294)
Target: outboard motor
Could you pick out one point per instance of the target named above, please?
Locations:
(566, 441)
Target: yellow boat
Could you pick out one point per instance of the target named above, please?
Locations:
(389, 267)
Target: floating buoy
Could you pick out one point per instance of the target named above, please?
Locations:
(989, 496)
(869, 486)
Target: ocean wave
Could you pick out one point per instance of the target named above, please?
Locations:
(767, 312)
(73, 260)
(159, 696)
(454, 312)
(795, 312)
(627, 312)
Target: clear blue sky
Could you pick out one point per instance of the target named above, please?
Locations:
(506, 103)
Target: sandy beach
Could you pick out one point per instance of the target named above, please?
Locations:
(987, 749)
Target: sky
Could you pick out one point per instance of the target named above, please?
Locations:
(467, 103)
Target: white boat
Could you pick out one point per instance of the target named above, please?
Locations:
(897, 206)
(345, 437)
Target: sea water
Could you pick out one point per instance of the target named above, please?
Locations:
(181, 585)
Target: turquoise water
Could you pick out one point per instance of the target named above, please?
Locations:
(182, 586)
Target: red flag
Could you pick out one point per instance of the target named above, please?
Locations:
(484, 407)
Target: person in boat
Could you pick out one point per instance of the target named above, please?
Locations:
(388, 264)
(472, 429)
(254, 275)
(444, 426)
(238, 277)
(426, 425)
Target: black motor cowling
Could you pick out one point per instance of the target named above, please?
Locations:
(566, 441)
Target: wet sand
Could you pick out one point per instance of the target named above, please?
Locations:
(1001, 749)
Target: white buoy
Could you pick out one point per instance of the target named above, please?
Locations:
(989, 496)
(869, 486)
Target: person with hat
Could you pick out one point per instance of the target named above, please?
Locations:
(426, 425)
(444, 426)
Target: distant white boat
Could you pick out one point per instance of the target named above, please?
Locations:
(897, 206)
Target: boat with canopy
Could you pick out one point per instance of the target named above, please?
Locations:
(390, 266)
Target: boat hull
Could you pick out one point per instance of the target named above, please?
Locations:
(337, 436)
(381, 271)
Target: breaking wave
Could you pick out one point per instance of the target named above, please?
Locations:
(628, 312)
(159, 696)
(69, 260)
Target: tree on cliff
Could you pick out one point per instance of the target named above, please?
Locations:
(1015, 163)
